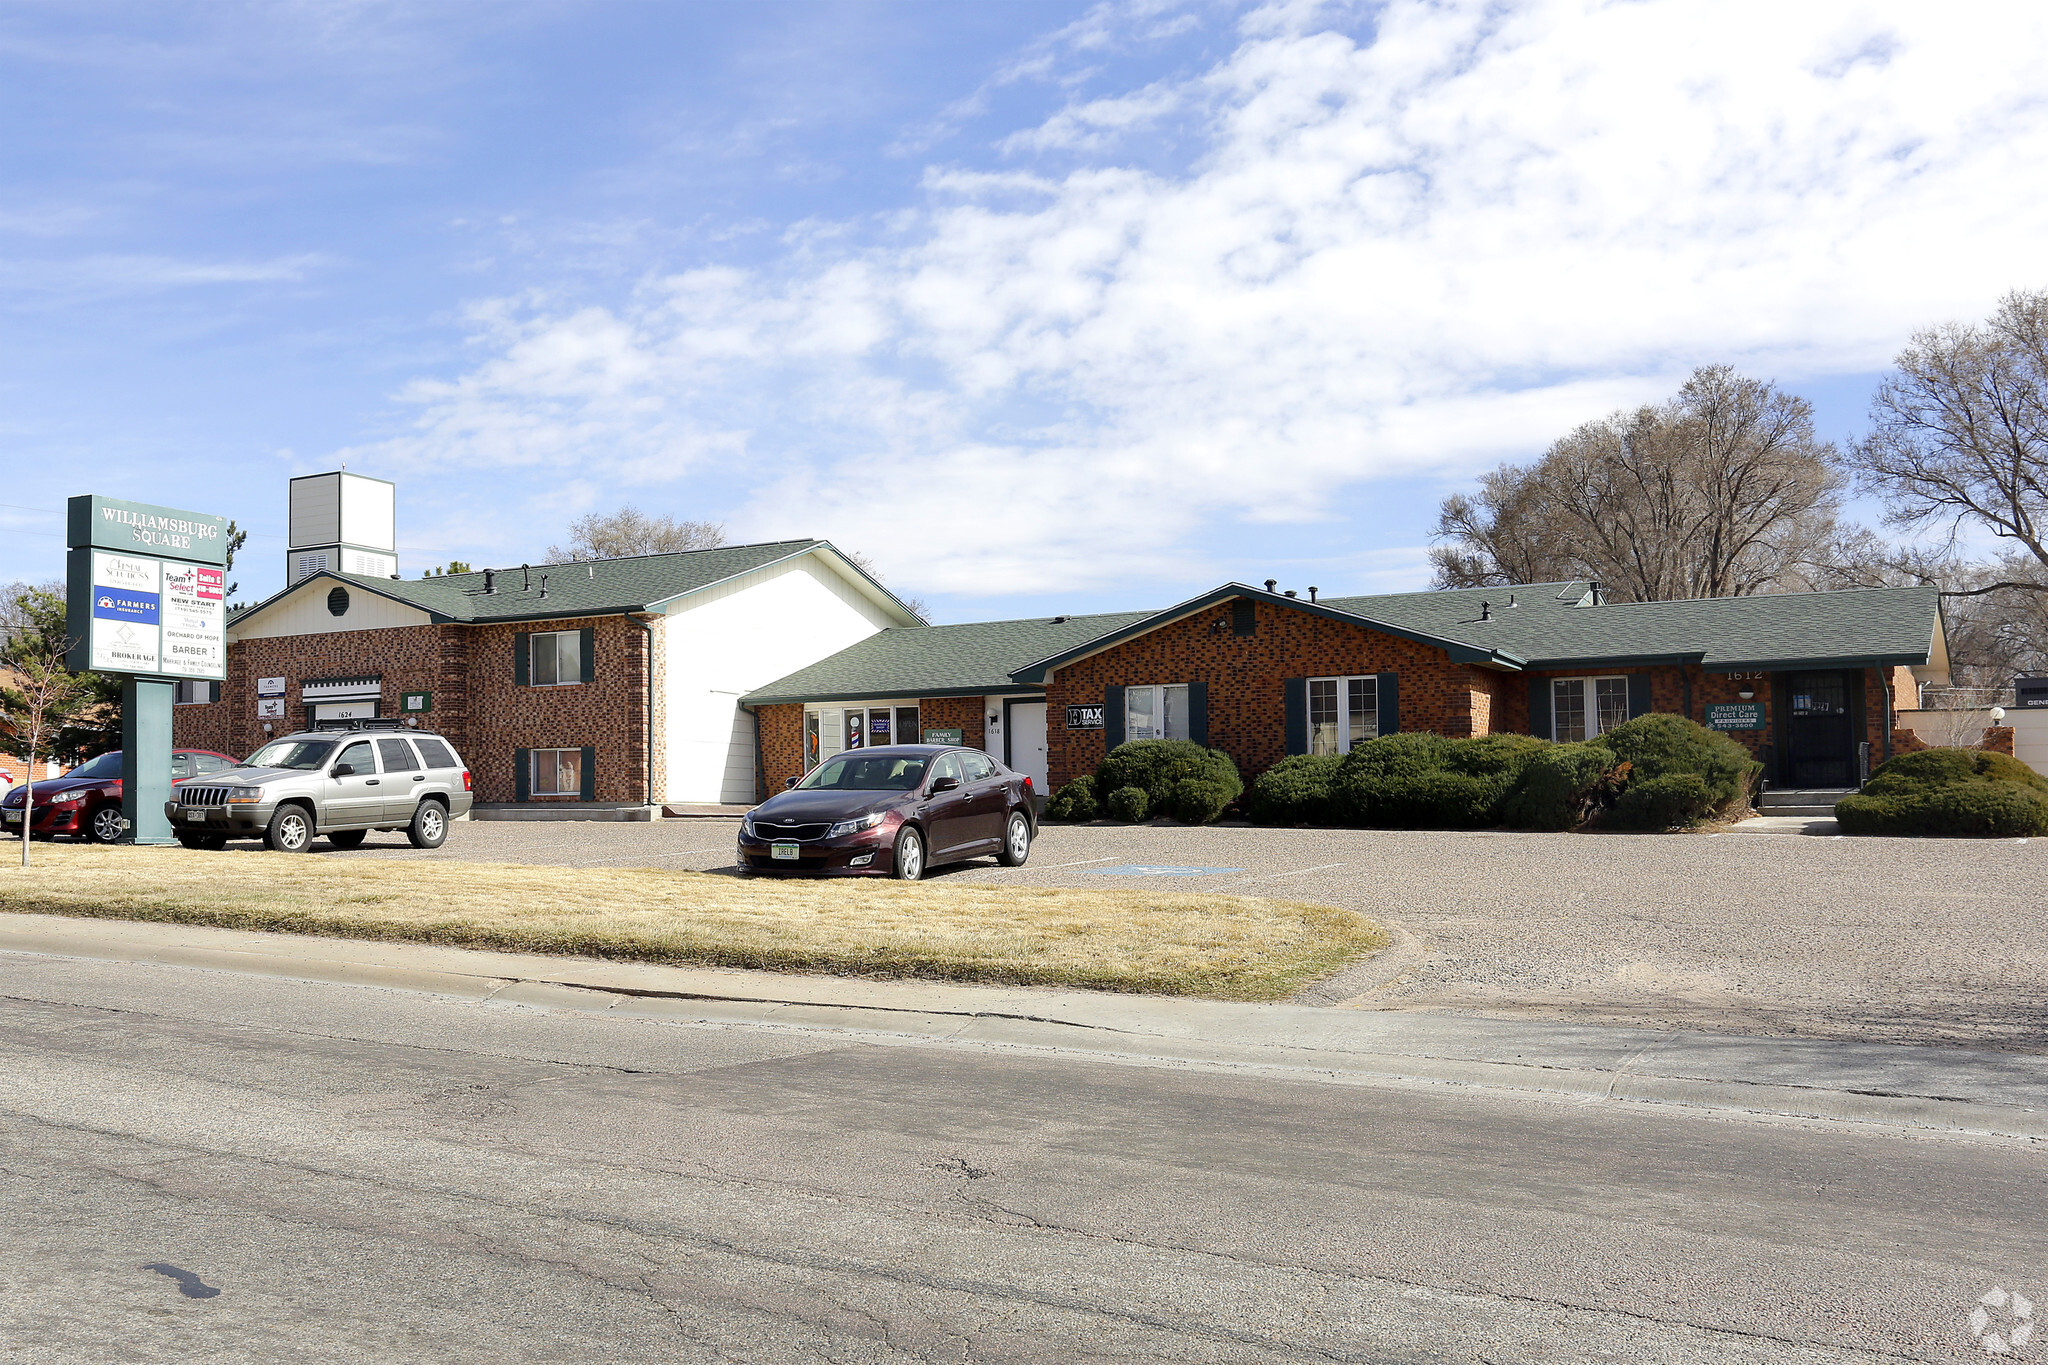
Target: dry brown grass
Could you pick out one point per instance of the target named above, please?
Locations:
(1227, 947)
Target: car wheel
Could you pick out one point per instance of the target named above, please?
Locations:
(909, 855)
(104, 825)
(429, 827)
(291, 830)
(1016, 841)
(347, 838)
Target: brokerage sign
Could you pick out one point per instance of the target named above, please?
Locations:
(1735, 715)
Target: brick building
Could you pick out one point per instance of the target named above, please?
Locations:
(1805, 680)
(611, 681)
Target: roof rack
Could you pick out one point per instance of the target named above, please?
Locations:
(395, 723)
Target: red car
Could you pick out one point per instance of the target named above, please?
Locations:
(892, 812)
(86, 802)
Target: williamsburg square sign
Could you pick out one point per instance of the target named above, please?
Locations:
(146, 598)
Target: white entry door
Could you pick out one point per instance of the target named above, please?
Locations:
(1027, 741)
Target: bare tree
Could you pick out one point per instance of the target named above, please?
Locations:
(37, 691)
(629, 531)
(1960, 436)
(1722, 491)
(866, 565)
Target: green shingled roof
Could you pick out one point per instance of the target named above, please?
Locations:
(1549, 625)
(938, 661)
(598, 587)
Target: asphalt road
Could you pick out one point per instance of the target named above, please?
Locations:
(1936, 941)
(203, 1166)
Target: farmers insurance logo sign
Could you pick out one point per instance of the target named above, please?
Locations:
(123, 605)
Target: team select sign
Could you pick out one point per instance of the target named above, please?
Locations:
(157, 614)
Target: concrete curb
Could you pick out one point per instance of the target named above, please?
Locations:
(1317, 1044)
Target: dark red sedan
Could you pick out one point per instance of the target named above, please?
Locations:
(86, 802)
(893, 812)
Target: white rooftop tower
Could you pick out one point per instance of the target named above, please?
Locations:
(342, 522)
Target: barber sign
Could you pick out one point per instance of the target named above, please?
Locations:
(1084, 717)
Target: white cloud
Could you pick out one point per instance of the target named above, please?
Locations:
(1422, 249)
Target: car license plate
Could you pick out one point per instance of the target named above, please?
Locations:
(12, 817)
(782, 850)
(195, 815)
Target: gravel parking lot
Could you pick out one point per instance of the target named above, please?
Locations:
(1941, 941)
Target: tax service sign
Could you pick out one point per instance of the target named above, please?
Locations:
(161, 614)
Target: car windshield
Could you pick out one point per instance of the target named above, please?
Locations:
(867, 773)
(106, 765)
(290, 753)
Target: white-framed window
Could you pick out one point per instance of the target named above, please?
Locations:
(557, 658)
(1343, 713)
(1581, 708)
(557, 772)
(191, 692)
(830, 730)
(1156, 712)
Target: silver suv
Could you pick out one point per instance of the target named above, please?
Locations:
(341, 781)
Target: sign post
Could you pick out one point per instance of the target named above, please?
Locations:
(146, 598)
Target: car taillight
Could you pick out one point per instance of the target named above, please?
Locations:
(465, 780)
(1027, 784)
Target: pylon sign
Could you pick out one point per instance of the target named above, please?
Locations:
(147, 590)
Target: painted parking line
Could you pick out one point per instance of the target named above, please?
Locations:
(1083, 863)
(1156, 870)
(1298, 872)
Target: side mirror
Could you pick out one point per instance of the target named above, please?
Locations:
(343, 770)
(944, 784)
(791, 782)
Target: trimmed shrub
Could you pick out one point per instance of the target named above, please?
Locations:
(1155, 766)
(1424, 781)
(1075, 801)
(1659, 745)
(1560, 786)
(1963, 792)
(1673, 800)
(1128, 804)
(1197, 800)
(1493, 755)
(1296, 791)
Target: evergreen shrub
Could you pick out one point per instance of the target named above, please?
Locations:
(1296, 791)
(1659, 745)
(1075, 801)
(1963, 792)
(1156, 766)
(1673, 800)
(1559, 787)
(1128, 804)
(1197, 800)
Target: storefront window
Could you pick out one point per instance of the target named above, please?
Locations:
(1581, 708)
(829, 730)
(1156, 712)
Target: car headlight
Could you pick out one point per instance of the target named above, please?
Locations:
(243, 796)
(67, 796)
(868, 821)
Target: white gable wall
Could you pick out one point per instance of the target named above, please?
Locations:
(305, 612)
(727, 641)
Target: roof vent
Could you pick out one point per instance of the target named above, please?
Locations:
(1485, 610)
(1311, 592)
(1059, 620)
(1511, 599)
(1292, 593)
(543, 585)
(526, 578)
(490, 580)
(1272, 583)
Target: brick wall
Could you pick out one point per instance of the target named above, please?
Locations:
(1245, 673)
(468, 669)
(968, 715)
(782, 746)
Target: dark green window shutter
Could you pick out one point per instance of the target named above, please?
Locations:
(1112, 717)
(1390, 704)
(522, 774)
(1198, 713)
(1244, 617)
(589, 773)
(1294, 699)
(1539, 707)
(583, 652)
(213, 691)
(522, 662)
(1638, 695)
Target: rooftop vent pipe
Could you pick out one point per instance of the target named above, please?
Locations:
(490, 580)
(526, 578)
(1272, 583)
(1292, 593)
(543, 585)
(1485, 610)
(1594, 588)
(1311, 592)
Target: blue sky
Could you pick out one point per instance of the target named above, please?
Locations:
(1046, 307)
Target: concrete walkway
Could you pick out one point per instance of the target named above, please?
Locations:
(1956, 1089)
